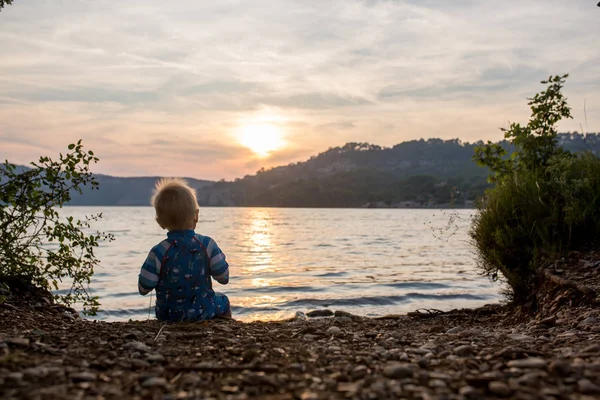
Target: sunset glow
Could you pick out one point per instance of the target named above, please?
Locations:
(139, 80)
(262, 139)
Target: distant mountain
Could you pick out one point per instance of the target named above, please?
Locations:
(114, 191)
(417, 173)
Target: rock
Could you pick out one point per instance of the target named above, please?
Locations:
(464, 351)
(83, 377)
(424, 362)
(549, 322)
(420, 352)
(348, 387)
(139, 346)
(320, 313)
(589, 321)
(360, 372)
(530, 380)
(308, 395)
(437, 384)
(587, 387)
(334, 330)
(300, 316)
(15, 378)
(454, 330)
(154, 382)
(469, 392)
(157, 358)
(594, 348)
(519, 337)
(36, 373)
(17, 342)
(500, 389)
(190, 379)
(344, 314)
(230, 389)
(399, 370)
(560, 367)
(532, 362)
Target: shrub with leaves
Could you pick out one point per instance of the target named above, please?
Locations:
(545, 200)
(37, 244)
(4, 2)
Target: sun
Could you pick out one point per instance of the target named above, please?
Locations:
(262, 139)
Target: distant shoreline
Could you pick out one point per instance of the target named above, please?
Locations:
(286, 207)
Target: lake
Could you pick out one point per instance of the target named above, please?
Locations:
(369, 262)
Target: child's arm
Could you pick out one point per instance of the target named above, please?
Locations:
(219, 269)
(148, 277)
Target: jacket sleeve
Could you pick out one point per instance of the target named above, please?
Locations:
(149, 274)
(219, 269)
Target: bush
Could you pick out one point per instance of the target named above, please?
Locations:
(37, 245)
(545, 201)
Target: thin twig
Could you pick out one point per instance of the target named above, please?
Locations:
(160, 331)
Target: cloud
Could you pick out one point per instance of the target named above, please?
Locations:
(130, 77)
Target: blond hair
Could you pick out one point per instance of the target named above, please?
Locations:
(175, 204)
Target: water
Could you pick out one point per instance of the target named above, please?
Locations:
(369, 262)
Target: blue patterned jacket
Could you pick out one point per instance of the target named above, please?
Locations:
(180, 269)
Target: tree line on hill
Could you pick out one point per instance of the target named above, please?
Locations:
(418, 173)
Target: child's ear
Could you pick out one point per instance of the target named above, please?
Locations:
(196, 219)
(159, 224)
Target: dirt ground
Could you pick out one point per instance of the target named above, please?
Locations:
(47, 352)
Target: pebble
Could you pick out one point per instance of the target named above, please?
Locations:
(190, 378)
(530, 380)
(155, 358)
(300, 316)
(519, 337)
(469, 392)
(454, 330)
(588, 387)
(154, 382)
(319, 313)
(424, 363)
(344, 314)
(83, 377)
(139, 346)
(464, 351)
(334, 330)
(438, 384)
(594, 348)
(550, 321)
(589, 321)
(308, 395)
(399, 370)
(500, 389)
(18, 342)
(360, 372)
(15, 377)
(560, 367)
(532, 362)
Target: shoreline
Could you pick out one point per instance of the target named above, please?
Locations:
(491, 352)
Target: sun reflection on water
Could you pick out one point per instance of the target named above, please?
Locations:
(260, 247)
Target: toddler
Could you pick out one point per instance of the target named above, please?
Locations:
(181, 266)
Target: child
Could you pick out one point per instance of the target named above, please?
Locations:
(180, 267)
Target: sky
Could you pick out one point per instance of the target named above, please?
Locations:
(219, 89)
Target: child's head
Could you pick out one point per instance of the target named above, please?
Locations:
(175, 204)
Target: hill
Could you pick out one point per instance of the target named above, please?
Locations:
(417, 173)
(136, 191)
